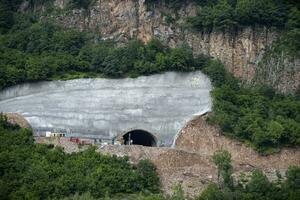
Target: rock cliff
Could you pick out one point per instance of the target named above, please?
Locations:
(242, 51)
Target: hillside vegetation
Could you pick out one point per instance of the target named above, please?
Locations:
(30, 171)
(224, 14)
(35, 49)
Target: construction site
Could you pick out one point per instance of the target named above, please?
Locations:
(162, 118)
(189, 163)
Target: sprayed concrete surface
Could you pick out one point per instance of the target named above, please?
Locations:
(105, 108)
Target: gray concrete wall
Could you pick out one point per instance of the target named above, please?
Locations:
(105, 108)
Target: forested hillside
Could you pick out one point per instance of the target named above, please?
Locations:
(34, 48)
(228, 14)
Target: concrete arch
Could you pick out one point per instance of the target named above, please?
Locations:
(138, 137)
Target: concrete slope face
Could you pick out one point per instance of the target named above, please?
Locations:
(106, 108)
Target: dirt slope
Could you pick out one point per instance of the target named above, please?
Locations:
(200, 137)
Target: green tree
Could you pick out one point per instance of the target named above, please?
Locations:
(216, 71)
(268, 136)
(222, 160)
(181, 59)
(259, 185)
(293, 178)
(223, 14)
(6, 16)
(147, 172)
(212, 192)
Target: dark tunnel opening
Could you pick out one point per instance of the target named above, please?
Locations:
(139, 137)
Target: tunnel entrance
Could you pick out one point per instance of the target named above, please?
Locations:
(139, 137)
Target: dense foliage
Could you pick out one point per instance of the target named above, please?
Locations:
(256, 115)
(8, 8)
(30, 171)
(222, 160)
(225, 14)
(39, 50)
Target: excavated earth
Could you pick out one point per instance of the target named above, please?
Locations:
(17, 119)
(190, 163)
(199, 136)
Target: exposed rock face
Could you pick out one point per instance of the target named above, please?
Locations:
(282, 71)
(241, 51)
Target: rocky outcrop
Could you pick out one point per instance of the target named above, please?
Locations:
(241, 51)
(17, 119)
(280, 69)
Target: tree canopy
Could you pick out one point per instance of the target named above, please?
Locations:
(34, 171)
(36, 50)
